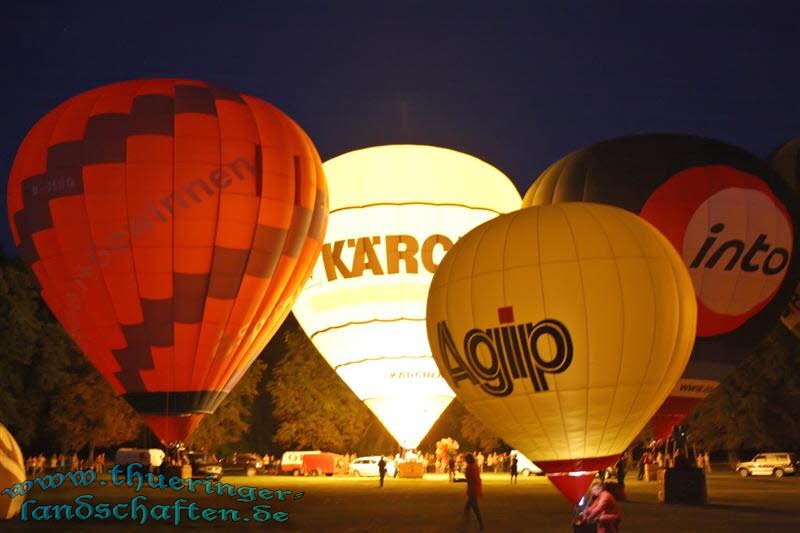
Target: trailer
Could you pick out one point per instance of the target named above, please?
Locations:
(324, 463)
(312, 463)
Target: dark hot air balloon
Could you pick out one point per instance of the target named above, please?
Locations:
(727, 214)
(786, 162)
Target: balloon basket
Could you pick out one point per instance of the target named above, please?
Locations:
(682, 485)
(180, 471)
(411, 470)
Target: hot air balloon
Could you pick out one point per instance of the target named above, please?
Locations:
(170, 224)
(563, 328)
(12, 472)
(786, 162)
(727, 215)
(395, 211)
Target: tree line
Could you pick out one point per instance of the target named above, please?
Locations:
(53, 400)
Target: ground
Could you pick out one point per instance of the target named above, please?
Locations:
(434, 504)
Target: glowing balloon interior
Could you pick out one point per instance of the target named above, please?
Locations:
(563, 328)
(12, 471)
(170, 223)
(395, 212)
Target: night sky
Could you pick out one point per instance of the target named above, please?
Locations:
(516, 85)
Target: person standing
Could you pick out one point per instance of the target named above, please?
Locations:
(698, 460)
(451, 468)
(622, 468)
(514, 468)
(472, 476)
(707, 462)
(642, 463)
(382, 469)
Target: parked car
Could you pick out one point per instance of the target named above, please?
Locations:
(769, 464)
(243, 464)
(525, 466)
(368, 466)
(203, 465)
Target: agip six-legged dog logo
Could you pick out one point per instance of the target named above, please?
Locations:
(495, 357)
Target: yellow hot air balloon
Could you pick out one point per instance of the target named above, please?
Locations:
(394, 213)
(563, 328)
(12, 471)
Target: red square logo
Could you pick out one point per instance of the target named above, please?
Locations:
(505, 314)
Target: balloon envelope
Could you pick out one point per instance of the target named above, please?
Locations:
(395, 211)
(563, 328)
(12, 471)
(728, 216)
(169, 223)
(786, 162)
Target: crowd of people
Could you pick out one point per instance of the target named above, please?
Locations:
(676, 459)
(39, 465)
(490, 462)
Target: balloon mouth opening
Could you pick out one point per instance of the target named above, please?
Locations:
(576, 466)
(173, 428)
(572, 485)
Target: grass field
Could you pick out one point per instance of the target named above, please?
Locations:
(434, 504)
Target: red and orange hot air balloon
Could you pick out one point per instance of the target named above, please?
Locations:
(170, 224)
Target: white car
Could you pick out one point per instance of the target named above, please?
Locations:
(368, 466)
(525, 466)
(769, 464)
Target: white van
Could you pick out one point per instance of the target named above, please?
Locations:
(769, 464)
(150, 458)
(525, 466)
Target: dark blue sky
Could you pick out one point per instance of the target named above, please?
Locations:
(519, 84)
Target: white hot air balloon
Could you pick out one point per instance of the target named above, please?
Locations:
(394, 212)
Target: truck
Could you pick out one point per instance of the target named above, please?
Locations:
(312, 463)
